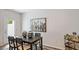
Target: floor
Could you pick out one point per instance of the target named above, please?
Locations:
(6, 47)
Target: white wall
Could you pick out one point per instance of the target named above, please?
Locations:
(59, 22)
(4, 15)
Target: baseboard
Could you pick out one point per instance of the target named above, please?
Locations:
(4, 45)
(53, 47)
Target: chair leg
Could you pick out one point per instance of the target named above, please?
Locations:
(36, 46)
(31, 46)
(17, 48)
(9, 48)
(22, 47)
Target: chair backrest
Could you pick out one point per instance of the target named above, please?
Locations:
(10, 38)
(37, 34)
(19, 40)
(24, 34)
(30, 35)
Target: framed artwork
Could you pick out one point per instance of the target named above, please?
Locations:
(39, 24)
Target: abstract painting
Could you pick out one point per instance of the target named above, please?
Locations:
(39, 24)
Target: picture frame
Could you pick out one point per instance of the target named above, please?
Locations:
(39, 24)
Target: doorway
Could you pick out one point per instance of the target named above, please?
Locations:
(10, 27)
(7, 29)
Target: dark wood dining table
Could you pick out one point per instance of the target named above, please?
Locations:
(32, 41)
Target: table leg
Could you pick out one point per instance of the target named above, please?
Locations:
(31, 46)
(41, 44)
(36, 46)
(14, 46)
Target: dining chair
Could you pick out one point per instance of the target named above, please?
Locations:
(30, 35)
(11, 42)
(37, 34)
(24, 34)
(20, 44)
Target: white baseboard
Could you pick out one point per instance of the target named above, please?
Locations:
(3, 44)
(59, 48)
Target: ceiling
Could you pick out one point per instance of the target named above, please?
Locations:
(41, 10)
(21, 10)
(31, 10)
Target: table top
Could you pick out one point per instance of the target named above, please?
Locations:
(32, 40)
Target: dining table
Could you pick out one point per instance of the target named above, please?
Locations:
(32, 41)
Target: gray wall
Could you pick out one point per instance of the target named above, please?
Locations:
(59, 22)
(4, 15)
